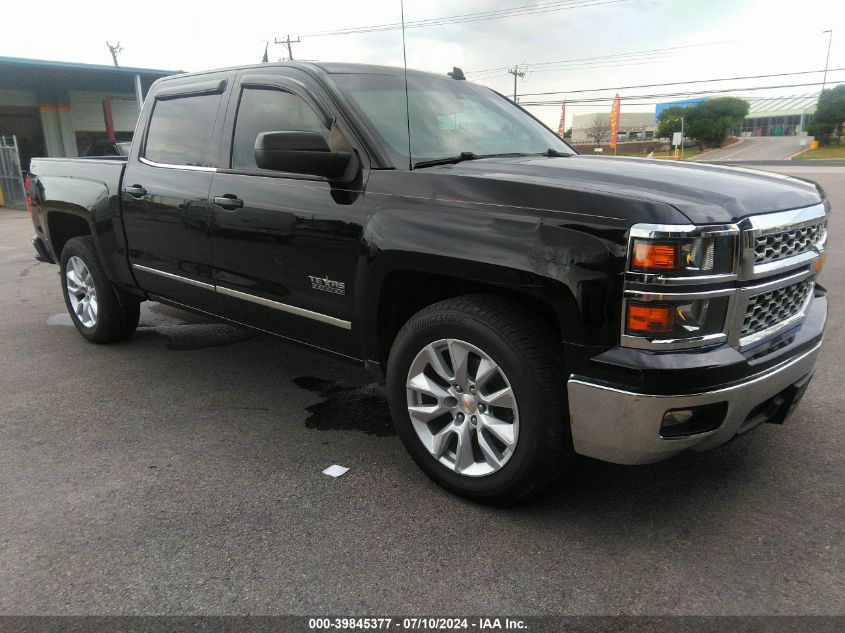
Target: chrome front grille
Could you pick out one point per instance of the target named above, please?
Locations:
(769, 309)
(772, 247)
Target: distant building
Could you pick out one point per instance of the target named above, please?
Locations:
(778, 116)
(59, 108)
(767, 116)
(632, 126)
(660, 107)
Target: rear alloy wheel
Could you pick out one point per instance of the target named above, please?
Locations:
(462, 407)
(477, 392)
(89, 296)
(81, 292)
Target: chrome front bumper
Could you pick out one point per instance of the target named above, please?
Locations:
(623, 427)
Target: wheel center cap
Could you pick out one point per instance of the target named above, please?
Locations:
(469, 403)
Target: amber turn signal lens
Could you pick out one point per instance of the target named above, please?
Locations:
(647, 319)
(654, 256)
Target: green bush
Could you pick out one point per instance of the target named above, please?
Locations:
(826, 125)
(708, 123)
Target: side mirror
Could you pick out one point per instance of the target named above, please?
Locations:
(299, 152)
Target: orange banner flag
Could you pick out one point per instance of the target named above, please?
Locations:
(614, 122)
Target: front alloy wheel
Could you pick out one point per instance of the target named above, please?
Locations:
(462, 407)
(456, 371)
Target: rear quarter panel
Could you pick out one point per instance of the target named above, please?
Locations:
(90, 190)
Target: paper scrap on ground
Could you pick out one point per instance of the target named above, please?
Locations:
(335, 471)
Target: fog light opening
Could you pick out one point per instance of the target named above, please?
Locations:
(693, 420)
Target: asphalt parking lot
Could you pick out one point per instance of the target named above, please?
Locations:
(180, 473)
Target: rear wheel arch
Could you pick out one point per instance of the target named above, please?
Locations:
(62, 226)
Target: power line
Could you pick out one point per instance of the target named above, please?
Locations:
(613, 56)
(675, 83)
(597, 100)
(651, 103)
(632, 62)
(530, 9)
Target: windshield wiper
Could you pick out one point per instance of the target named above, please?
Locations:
(452, 160)
(553, 153)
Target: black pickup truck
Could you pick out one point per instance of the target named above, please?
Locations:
(523, 302)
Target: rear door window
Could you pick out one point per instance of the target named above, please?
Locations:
(181, 131)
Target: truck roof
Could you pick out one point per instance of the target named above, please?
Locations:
(316, 68)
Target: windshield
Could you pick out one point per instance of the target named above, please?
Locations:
(447, 117)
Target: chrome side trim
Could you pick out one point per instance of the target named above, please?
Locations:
(268, 303)
(151, 163)
(308, 314)
(161, 273)
(251, 327)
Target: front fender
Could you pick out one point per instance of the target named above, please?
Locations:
(575, 268)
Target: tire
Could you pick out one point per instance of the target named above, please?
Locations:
(486, 330)
(90, 298)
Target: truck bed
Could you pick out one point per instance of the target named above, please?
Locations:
(89, 189)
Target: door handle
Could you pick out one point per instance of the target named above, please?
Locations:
(136, 191)
(228, 201)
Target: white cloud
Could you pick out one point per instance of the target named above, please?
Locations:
(778, 36)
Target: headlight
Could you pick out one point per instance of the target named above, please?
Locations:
(683, 257)
(662, 308)
(673, 319)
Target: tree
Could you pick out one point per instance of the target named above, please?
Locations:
(598, 130)
(669, 121)
(710, 122)
(568, 133)
(830, 115)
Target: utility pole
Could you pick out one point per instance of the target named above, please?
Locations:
(827, 60)
(287, 42)
(114, 50)
(517, 73)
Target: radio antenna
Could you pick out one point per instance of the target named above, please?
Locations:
(407, 105)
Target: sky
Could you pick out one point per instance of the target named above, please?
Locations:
(562, 46)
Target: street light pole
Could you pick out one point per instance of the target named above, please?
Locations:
(827, 59)
(682, 138)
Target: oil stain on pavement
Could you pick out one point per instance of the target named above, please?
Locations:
(347, 407)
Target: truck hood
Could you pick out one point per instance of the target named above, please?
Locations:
(703, 193)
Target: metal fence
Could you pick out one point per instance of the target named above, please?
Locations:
(12, 192)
